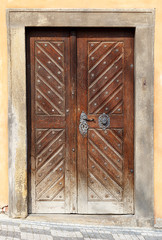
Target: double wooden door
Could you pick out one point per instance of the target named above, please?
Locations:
(80, 120)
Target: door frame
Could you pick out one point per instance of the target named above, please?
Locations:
(143, 20)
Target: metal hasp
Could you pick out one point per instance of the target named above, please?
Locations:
(83, 126)
(104, 121)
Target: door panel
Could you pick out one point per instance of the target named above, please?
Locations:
(105, 157)
(53, 164)
(71, 71)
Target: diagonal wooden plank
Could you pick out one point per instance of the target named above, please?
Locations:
(105, 71)
(97, 187)
(115, 135)
(49, 101)
(60, 196)
(100, 92)
(108, 144)
(117, 109)
(118, 132)
(109, 99)
(103, 168)
(48, 85)
(113, 140)
(95, 48)
(41, 100)
(101, 58)
(116, 192)
(112, 161)
(60, 133)
(40, 133)
(92, 195)
(49, 72)
(48, 95)
(103, 159)
(50, 178)
(50, 159)
(53, 190)
(57, 192)
(41, 108)
(56, 49)
(103, 64)
(43, 135)
(49, 57)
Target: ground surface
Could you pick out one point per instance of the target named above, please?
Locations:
(36, 230)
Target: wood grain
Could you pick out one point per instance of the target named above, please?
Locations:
(52, 175)
(70, 71)
(105, 76)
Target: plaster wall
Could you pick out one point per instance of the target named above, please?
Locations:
(81, 4)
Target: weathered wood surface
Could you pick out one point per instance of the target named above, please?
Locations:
(71, 72)
(53, 164)
(105, 85)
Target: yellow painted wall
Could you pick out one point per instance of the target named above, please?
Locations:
(81, 4)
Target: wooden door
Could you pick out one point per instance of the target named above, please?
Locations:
(70, 72)
(105, 156)
(52, 118)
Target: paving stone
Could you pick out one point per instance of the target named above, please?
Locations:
(140, 237)
(152, 238)
(28, 230)
(7, 223)
(9, 234)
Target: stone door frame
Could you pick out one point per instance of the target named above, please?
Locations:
(143, 20)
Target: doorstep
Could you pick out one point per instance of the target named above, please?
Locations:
(104, 220)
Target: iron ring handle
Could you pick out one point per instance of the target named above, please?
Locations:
(104, 121)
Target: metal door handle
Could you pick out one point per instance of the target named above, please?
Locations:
(83, 126)
(83, 116)
(103, 121)
(90, 120)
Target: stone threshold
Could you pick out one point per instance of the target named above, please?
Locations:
(104, 220)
